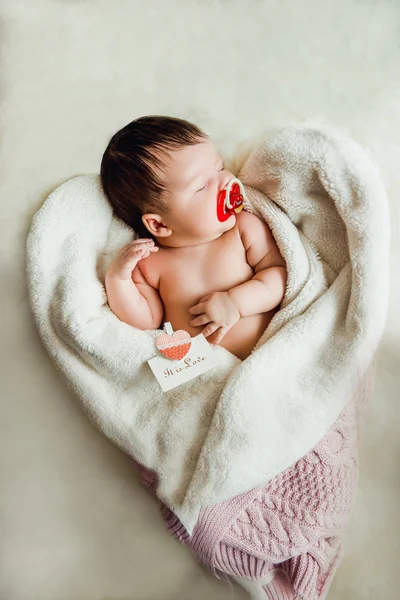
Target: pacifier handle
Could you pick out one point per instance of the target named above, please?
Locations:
(230, 200)
(231, 183)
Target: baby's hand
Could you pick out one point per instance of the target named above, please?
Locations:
(128, 257)
(218, 311)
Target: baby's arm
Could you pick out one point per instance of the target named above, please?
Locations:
(266, 289)
(129, 295)
(134, 301)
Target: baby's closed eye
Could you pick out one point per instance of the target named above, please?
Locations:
(206, 183)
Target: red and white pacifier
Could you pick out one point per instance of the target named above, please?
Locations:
(230, 200)
(173, 345)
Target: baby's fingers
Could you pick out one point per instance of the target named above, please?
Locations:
(201, 320)
(136, 245)
(211, 327)
(219, 335)
(144, 253)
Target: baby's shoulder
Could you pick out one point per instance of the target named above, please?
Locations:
(246, 219)
(150, 269)
(250, 227)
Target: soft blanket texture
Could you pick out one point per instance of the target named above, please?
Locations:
(324, 201)
(284, 539)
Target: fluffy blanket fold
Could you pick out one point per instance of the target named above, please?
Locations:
(242, 424)
(283, 540)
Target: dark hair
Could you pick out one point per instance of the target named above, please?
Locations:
(127, 178)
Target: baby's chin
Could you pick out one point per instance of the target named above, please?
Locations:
(229, 223)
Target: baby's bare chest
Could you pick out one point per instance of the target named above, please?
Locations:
(185, 277)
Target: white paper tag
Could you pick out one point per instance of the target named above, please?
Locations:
(200, 359)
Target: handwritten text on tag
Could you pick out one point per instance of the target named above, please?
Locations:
(171, 373)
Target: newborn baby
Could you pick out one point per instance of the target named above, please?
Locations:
(224, 279)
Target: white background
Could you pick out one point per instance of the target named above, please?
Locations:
(75, 522)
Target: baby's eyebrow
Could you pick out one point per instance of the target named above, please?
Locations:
(192, 179)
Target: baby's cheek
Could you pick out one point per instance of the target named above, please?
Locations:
(212, 210)
(205, 220)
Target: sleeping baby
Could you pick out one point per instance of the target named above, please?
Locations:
(202, 270)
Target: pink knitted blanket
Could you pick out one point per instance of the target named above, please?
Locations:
(292, 527)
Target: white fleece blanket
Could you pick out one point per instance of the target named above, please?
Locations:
(234, 427)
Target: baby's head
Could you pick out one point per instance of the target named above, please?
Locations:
(162, 176)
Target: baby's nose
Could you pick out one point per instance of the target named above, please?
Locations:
(225, 180)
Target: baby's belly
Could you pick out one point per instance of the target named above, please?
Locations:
(240, 339)
(187, 277)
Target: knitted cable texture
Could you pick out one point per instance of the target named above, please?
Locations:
(292, 526)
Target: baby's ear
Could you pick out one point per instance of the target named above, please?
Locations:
(154, 224)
